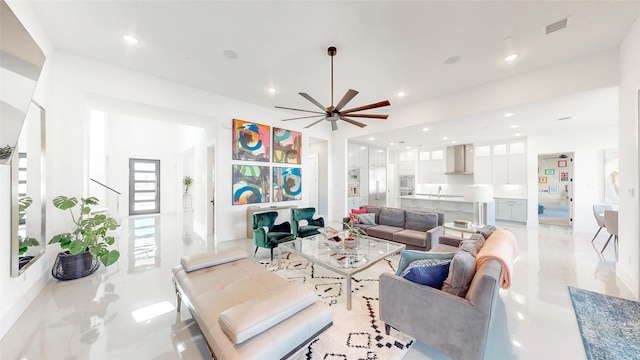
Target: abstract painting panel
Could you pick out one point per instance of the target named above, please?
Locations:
(287, 184)
(251, 141)
(250, 184)
(287, 146)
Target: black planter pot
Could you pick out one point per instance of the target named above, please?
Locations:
(68, 266)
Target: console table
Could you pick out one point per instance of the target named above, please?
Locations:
(257, 209)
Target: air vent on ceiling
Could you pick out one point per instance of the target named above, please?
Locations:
(564, 118)
(558, 25)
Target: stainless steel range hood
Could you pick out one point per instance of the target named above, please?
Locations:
(460, 160)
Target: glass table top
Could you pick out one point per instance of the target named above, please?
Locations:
(342, 258)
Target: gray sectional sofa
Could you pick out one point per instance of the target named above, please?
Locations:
(457, 326)
(418, 230)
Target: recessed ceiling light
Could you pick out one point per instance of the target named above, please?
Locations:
(425, 129)
(230, 54)
(445, 138)
(363, 147)
(380, 150)
(509, 114)
(408, 147)
(452, 60)
(130, 39)
(510, 57)
(454, 142)
(401, 93)
(272, 90)
(518, 134)
(391, 144)
(514, 126)
(372, 138)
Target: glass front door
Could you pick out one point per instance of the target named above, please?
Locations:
(144, 186)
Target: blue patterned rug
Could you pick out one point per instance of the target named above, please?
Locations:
(610, 326)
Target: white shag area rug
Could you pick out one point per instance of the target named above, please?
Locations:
(355, 334)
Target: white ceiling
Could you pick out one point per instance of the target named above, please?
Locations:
(383, 47)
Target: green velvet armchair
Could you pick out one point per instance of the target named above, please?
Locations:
(267, 234)
(312, 226)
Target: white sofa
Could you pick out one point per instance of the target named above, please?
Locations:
(246, 311)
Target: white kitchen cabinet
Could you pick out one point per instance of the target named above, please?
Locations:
(517, 169)
(499, 170)
(482, 170)
(511, 210)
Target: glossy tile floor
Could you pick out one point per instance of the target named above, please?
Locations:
(127, 311)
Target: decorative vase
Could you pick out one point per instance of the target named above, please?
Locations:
(68, 266)
(349, 243)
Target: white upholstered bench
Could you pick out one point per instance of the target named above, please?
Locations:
(246, 311)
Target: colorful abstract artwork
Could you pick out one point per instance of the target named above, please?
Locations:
(287, 184)
(250, 184)
(251, 141)
(287, 146)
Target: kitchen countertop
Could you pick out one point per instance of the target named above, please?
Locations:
(451, 198)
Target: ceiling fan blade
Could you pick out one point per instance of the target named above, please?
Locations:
(309, 111)
(302, 117)
(313, 123)
(370, 116)
(353, 122)
(334, 125)
(345, 99)
(316, 103)
(367, 107)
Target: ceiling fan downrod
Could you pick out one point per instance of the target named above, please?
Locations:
(332, 51)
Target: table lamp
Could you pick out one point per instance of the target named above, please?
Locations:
(480, 195)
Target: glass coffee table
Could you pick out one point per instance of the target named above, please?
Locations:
(340, 259)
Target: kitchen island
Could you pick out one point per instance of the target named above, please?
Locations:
(454, 207)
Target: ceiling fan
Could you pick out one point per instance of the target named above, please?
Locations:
(335, 113)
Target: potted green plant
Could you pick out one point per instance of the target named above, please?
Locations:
(187, 181)
(354, 234)
(87, 241)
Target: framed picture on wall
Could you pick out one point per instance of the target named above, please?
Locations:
(250, 184)
(542, 179)
(287, 183)
(562, 163)
(553, 189)
(287, 146)
(251, 141)
(549, 171)
(564, 176)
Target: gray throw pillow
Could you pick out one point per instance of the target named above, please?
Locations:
(461, 270)
(487, 231)
(478, 242)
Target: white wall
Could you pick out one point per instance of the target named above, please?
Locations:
(627, 267)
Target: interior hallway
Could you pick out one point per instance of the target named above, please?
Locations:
(127, 311)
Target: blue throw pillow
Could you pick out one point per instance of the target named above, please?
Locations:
(409, 256)
(431, 275)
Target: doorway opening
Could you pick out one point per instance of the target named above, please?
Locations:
(211, 191)
(555, 189)
(144, 186)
